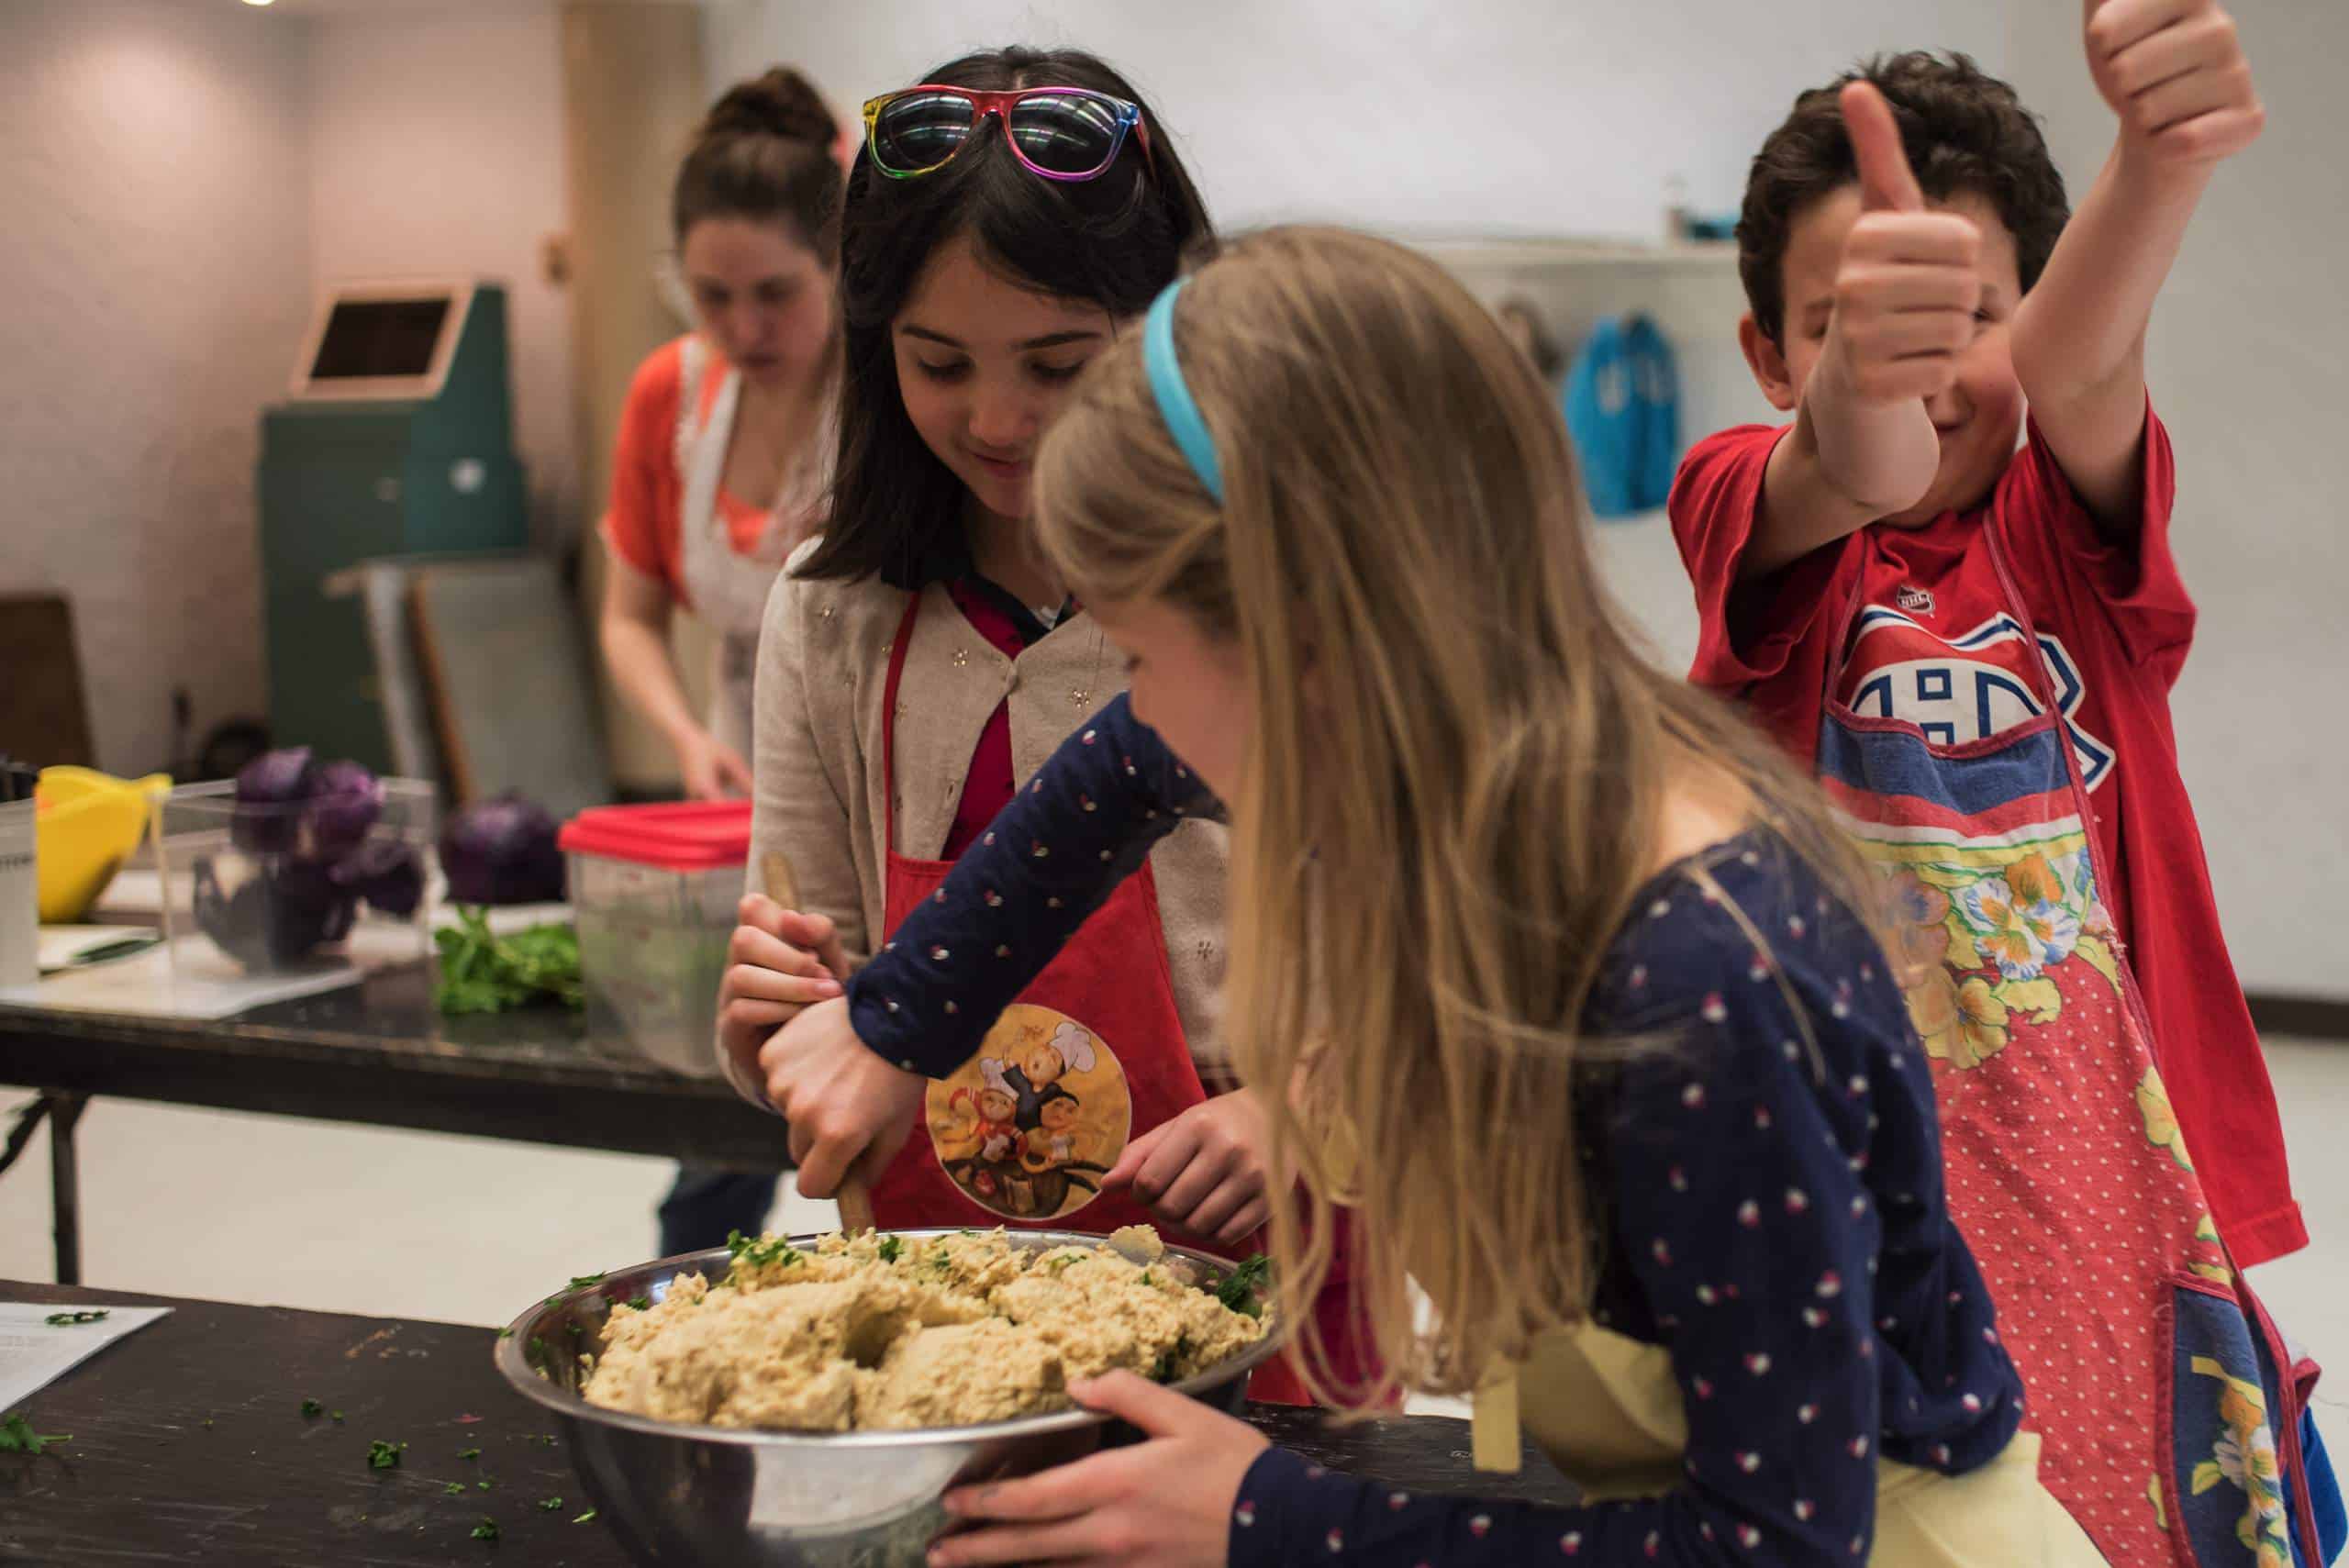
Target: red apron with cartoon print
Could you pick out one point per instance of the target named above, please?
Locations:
(2167, 1403)
(1091, 1055)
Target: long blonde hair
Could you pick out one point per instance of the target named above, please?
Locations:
(1453, 786)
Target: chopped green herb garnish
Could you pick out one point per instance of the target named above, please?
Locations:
(573, 1329)
(642, 1303)
(311, 1407)
(1145, 1277)
(335, 1416)
(481, 1485)
(538, 1347)
(507, 1332)
(381, 1455)
(550, 1505)
(17, 1436)
(67, 1319)
(760, 1254)
(454, 1488)
(584, 1518)
(966, 1233)
(469, 1453)
(581, 1281)
(486, 1530)
(544, 1439)
(1239, 1292)
(890, 1249)
(1059, 1265)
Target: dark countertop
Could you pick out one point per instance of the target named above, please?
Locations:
(189, 1447)
(380, 1052)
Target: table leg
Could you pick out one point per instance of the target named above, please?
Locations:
(65, 1186)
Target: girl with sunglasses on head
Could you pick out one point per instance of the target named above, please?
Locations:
(1007, 220)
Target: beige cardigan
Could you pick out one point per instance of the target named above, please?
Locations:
(823, 662)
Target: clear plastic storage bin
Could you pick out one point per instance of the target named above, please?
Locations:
(653, 889)
(252, 890)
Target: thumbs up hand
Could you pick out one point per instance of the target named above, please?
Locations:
(1907, 288)
(2174, 72)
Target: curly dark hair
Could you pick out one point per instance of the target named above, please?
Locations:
(1964, 131)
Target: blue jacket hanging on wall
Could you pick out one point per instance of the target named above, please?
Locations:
(1624, 411)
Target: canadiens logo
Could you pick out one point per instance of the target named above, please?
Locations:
(1956, 691)
(1916, 601)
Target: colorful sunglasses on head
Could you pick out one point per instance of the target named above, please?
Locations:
(1061, 133)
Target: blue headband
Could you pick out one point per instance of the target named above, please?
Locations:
(1175, 404)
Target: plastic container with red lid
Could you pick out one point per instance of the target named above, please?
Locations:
(654, 890)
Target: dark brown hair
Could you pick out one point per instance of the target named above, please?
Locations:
(1113, 242)
(1964, 131)
(765, 152)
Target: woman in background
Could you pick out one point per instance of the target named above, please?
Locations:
(724, 465)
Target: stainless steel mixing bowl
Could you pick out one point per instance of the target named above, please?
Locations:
(718, 1497)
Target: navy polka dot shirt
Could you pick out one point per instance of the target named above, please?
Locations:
(1769, 1173)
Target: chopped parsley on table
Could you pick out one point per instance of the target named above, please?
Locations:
(584, 1518)
(469, 1453)
(487, 1529)
(311, 1408)
(381, 1455)
(550, 1505)
(17, 1436)
(67, 1319)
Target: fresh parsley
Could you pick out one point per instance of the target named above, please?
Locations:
(469, 1453)
(487, 1529)
(381, 1455)
(760, 1252)
(584, 1518)
(311, 1408)
(550, 1505)
(67, 1319)
(335, 1416)
(581, 1281)
(641, 1302)
(17, 1436)
(454, 1488)
(482, 971)
(1238, 1291)
(890, 1249)
(481, 1485)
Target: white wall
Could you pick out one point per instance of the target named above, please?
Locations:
(155, 279)
(1402, 114)
(436, 147)
(2249, 363)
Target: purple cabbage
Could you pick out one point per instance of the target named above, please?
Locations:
(502, 851)
(386, 874)
(344, 802)
(275, 917)
(268, 789)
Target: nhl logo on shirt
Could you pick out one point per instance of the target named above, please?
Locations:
(1916, 601)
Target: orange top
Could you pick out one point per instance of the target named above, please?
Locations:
(642, 526)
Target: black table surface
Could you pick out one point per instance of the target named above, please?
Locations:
(380, 1052)
(189, 1447)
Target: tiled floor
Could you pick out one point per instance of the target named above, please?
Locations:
(470, 1230)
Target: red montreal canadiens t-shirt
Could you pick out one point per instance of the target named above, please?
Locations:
(1931, 642)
